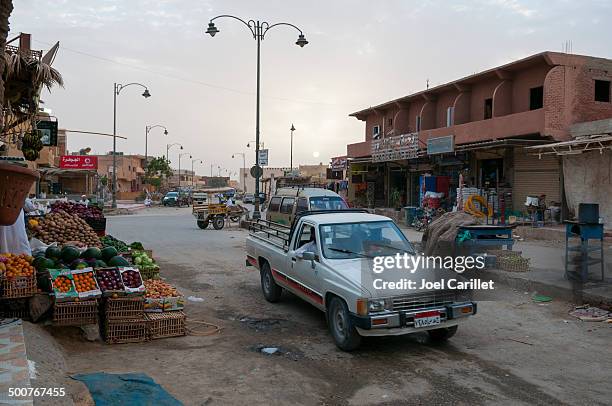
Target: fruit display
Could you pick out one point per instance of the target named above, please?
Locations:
(31, 145)
(110, 241)
(63, 228)
(109, 280)
(14, 266)
(131, 278)
(85, 283)
(118, 260)
(63, 285)
(143, 261)
(78, 209)
(162, 297)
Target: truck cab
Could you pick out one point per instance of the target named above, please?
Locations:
(326, 258)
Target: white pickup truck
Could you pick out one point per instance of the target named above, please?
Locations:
(326, 259)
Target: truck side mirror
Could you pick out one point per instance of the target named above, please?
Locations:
(308, 256)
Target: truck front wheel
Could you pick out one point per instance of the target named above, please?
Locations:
(271, 291)
(341, 327)
(203, 224)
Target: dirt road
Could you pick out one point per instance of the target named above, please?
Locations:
(513, 352)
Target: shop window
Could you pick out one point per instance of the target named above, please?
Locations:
(602, 91)
(376, 132)
(536, 98)
(488, 109)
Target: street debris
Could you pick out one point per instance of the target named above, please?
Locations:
(269, 350)
(195, 299)
(541, 298)
(261, 324)
(519, 341)
(590, 313)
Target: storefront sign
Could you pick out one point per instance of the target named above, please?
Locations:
(48, 132)
(396, 148)
(78, 162)
(338, 163)
(440, 145)
(263, 157)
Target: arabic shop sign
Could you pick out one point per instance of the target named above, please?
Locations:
(440, 145)
(338, 163)
(78, 162)
(405, 146)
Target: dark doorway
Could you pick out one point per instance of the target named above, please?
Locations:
(488, 109)
(490, 171)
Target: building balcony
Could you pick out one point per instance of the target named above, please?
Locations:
(359, 149)
(511, 125)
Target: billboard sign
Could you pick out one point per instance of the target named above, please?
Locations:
(48, 132)
(400, 147)
(440, 145)
(78, 162)
(338, 163)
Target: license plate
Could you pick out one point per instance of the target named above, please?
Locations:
(426, 319)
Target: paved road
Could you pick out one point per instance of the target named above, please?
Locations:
(513, 352)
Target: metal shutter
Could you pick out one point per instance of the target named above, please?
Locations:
(535, 176)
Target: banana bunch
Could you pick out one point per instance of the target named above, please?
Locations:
(31, 145)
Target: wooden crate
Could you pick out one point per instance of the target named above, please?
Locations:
(162, 325)
(125, 331)
(18, 287)
(149, 274)
(75, 313)
(513, 263)
(123, 308)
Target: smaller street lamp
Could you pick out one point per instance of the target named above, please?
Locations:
(292, 129)
(168, 146)
(179, 168)
(192, 171)
(243, 181)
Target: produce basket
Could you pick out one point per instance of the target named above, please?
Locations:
(125, 331)
(123, 308)
(513, 263)
(75, 313)
(149, 273)
(17, 287)
(15, 184)
(162, 325)
(505, 253)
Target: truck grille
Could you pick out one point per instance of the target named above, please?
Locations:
(428, 299)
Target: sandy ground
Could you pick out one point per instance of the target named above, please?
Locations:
(513, 352)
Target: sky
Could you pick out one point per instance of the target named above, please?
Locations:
(361, 53)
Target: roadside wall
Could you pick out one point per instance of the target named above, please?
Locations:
(588, 179)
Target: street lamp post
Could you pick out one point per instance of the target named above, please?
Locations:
(259, 30)
(292, 129)
(179, 173)
(244, 174)
(147, 130)
(168, 146)
(117, 89)
(192, 171)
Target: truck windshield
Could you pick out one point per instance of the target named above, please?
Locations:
(327, 203)
(172, 194)
(358, 240)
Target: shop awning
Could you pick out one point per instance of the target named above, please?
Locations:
(573, 147)
(506, 142)
(58, 171)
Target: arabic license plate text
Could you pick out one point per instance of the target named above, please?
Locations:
(426, 319)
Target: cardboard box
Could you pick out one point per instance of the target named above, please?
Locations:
(60, 296)
(91, 294)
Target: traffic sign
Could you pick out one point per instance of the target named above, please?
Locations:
(256, 171)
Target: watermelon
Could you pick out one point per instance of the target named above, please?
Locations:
(92, 252)
(53, 252)
(70, 253)
(45, 263)
(118, 261)
(100, 264)
(78, 264)
(108, 253)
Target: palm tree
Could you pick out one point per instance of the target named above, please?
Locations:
(6, 8)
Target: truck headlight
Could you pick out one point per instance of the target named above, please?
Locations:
(376, 305)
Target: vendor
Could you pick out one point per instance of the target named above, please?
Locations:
(14, 239)
(84, 200)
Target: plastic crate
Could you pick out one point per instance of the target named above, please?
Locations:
(18, 287)
(75, 313)
(125, 331)
(163, 325)
(123, 308)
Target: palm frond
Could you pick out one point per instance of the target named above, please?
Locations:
(47, 75)
(15, 64)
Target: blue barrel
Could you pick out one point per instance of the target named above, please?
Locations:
(410, 214)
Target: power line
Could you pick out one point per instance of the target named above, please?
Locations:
(198, 82)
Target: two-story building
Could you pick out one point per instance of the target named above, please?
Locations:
(478, 127)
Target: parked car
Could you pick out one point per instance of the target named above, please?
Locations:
(331, 276)
(170, 199)
(248, 198)
(289, 201)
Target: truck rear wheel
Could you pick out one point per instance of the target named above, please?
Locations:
(203, 224)
(218, 222)
(271, 291)
(441, 334)
(341, 327)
